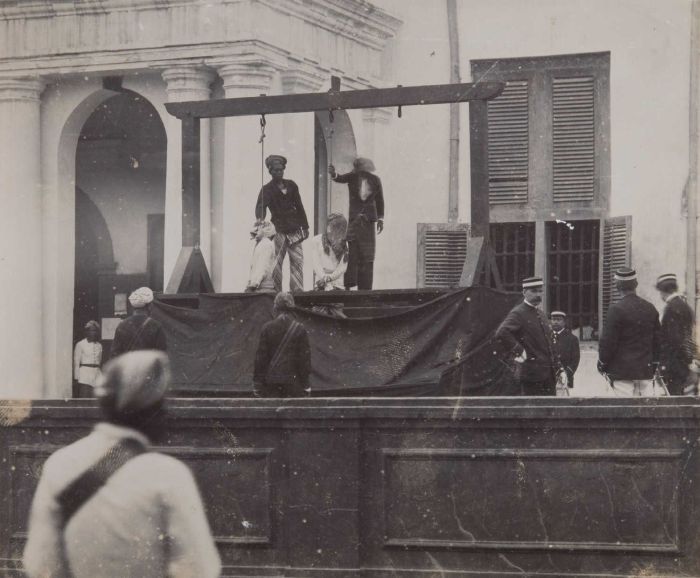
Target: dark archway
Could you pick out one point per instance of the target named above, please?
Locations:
(120, 170)
(93, 254)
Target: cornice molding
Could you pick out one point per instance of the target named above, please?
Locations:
(301, 77)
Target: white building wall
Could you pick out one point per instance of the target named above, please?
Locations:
(649, 43)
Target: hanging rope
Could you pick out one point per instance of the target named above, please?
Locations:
(263, 123)
(330, 138)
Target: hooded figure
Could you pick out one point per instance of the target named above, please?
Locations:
(330, 253)
(140, 512)
(262, 264)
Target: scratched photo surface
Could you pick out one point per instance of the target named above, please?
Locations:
(455, 196)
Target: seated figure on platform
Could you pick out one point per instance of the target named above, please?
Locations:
(283, 358)
(366, 220)
(263, 262)
(87, 359)
(109, 504)
(140, 330)
(282, 197)
(330, 253)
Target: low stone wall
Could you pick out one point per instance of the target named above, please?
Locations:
(413, 487)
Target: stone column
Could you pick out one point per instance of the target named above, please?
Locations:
(186, 83)
(299, 147)
(241, 173)
(21, 349)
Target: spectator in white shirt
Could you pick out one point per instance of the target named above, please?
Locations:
(146, 519)
(87, 360)
(264, 258)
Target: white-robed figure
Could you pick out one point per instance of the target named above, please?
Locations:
(87, 360)
(264, 259)
(111, 505)
(330, 254)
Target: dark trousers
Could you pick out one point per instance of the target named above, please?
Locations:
(545, 387)
(362, 240)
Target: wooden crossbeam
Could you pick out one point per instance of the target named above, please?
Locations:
(336, 100)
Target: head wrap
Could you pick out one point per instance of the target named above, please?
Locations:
(283, 302)
(335, 234)
(141, 297)
(134, 381)
(92, 324)
(272, 159)
(364, 164)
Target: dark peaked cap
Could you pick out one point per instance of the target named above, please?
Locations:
(625, 274)
(269, 161)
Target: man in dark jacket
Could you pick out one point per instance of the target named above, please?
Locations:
(566, 345)
(629, 346)
(365, 221)
(526, 334)
(283, 358)
(282, 197)
(676, 340)
(140, 330)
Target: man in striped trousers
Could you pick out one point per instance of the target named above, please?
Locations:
(282, 197)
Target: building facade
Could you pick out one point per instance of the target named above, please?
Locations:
(592, 147)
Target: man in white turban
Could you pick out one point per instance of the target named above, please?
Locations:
(108, 505)
(140, 330)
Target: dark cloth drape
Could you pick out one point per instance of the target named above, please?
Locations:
(444, 347)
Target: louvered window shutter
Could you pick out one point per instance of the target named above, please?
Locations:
(573, 139)
(508, 127)
(616, 253)
(442, 249)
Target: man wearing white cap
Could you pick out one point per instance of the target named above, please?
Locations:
(628, 351)
(108, 505)
(677, 346)
(566, 345)
(526, 334)
(140, 330)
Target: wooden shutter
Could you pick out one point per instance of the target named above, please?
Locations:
(508, 129)
(573, 139)
(442, 249)
(617, 250)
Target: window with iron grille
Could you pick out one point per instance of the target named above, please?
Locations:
(514, 246)
(573, 258)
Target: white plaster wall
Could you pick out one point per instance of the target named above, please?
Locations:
(649, 42)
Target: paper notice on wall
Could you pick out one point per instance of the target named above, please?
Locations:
(109, 326)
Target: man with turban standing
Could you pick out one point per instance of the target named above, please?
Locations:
(282, 197)
(140, 330)
(109, 505)
(366, 220)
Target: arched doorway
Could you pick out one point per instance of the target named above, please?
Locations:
(119, 210)
(334, 143)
